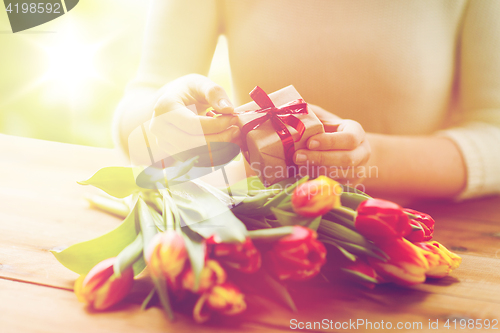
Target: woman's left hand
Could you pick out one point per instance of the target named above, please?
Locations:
(342, 152)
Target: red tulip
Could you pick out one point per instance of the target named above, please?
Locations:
(316, 197)
(407, 264)
(298, 256)
(243, 257)
(381, 220)
(100, 288)
(167, 256)
(225, 299)
(426, 224)
(211, 274)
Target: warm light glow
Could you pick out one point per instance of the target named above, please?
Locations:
(71, 64)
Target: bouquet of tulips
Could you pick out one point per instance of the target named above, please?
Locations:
(202, 244)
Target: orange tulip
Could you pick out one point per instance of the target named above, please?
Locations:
(212, 274)
(441, 260)
(100, 288)
(407, 264)
(226, 299)
(316, 197)
(166, 256)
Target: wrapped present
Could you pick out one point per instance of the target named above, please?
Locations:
(273, 127)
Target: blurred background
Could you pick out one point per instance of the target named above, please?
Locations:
(62, 80)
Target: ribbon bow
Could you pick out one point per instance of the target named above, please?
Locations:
(279, 117)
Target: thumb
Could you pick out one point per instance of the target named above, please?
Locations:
(216, 96)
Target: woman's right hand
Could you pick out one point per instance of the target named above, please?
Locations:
(179, 121)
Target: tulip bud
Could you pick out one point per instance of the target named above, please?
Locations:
(225, 299)
(100, 288)
(316, 197)
(166, 256)
(441, 260)
(212, 274)
(381, 220)
(407, 264)
(298, 256)
(426, 224)
(243, 257)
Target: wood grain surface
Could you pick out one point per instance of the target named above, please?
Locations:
(42, 208)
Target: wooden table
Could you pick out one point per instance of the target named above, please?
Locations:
(42, 207)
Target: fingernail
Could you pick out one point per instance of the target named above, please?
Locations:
(224, 104)
(313, 144)
(300, 158)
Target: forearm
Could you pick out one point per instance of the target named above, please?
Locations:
(417, 166)
(135, 108)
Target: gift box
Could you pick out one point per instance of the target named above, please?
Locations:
(273, 127)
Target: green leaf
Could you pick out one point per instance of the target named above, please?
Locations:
(352, 200)
(252, 206)
(253, 223)
(196, 252)
(270, 235)
(128, 256)
(342, 233)
(290, 218)
(337, 218)
(217, 218)
(333, 242)
(168, 218)
(346, 212)
(81, 257)
(116, 181)
(157, 218)
(261, 282)
(108, 204)
(276, 289)
(162, 290)
(243, 187)
(287, 191)
(360, 250)
(359, 276)
(148, 226)
(148, 298)
(314, 225)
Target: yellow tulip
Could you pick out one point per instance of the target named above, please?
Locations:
(441, 260)
(316, 197)
(166, 256)
(212, 274)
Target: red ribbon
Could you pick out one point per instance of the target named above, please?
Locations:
(279, 117)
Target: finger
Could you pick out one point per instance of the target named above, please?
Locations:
(178, 140)
(214, 94)
(214, 125)
(339, 158)
(230, 134)
(349, 135)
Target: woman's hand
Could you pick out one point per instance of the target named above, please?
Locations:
(342, 152)
(177, 124)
